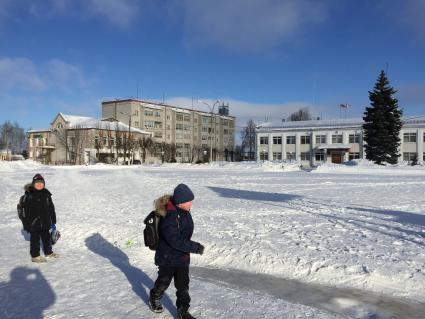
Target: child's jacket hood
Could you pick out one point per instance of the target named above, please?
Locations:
(161, 205)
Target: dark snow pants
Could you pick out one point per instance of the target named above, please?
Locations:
(181, 282)
(35, 243)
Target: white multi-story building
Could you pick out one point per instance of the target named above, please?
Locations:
(317, 141)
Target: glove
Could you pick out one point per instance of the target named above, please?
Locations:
(200, 249)
(53, 227)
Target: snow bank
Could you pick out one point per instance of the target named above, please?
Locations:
(266, 166)
(368, 167)
(6, 166)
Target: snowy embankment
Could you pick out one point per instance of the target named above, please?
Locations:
(355, 231)
(367, 167)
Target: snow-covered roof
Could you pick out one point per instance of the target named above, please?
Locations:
(39, 131)
(74, 120)
(152, 104)
(103, 124)
(331, 123)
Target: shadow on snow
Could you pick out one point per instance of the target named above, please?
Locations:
(397, 216)
(352, 303)
(26, 295)
(136, 277)
(253, 195)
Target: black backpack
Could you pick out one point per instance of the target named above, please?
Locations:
(20, 208)
(150, 233)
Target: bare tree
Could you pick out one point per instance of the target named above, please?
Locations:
(12, 137)
(61, 135)
(77, 143)
(194, 152)
(146, 144)
(302, 114)
(248, 140)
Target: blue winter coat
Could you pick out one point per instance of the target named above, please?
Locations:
(175, 231)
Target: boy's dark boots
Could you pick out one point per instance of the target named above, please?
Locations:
(155, 304)
(183, 313)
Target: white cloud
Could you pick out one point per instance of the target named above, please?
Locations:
(409, 14)
(64, 75)
(413, 94)
(255, 25)
(121, 13)
(19, 73)
(24, 75)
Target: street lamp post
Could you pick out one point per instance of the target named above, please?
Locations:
(212, 114)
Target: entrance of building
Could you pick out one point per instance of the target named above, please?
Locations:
(337, 157)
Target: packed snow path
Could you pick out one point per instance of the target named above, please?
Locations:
(351, 303)
(348, 231)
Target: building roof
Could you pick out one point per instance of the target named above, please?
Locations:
(39, 131)
(103, 124)
(85, 122)
(331, 123)
(176, 108)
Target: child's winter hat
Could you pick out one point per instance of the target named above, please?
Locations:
(182, 194)
(38, 178)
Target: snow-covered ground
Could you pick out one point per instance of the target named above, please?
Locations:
(341, 229)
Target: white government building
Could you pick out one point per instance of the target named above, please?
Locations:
(334, 141)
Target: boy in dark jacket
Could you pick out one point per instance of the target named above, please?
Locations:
(173, 253)
(40, 216)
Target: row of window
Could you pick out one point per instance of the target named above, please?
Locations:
(182, 117)
(304, 156)
(411, 137)
(306, 139)
(336, 139)
(150, 113)
(410, 156)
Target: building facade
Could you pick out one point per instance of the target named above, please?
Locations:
(4, 155)
(82, 140)
(334, 141)
(193, 133)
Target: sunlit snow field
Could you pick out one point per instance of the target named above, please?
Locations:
(332, 228)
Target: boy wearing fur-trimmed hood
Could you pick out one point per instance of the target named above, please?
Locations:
(40, 216)
(175, 245)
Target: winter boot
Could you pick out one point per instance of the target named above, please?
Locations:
(52, 255)
(183, 313)
(155, 305)
(38, 259)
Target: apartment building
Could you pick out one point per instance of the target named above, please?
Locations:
(334, 141)
(192, 132)
(74, 139)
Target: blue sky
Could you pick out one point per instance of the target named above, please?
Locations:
(267, 58)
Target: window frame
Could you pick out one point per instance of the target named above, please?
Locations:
(337, 137)
(264, 139)
(410, 137)
(290, 139)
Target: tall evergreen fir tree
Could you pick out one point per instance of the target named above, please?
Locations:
(382, 123)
